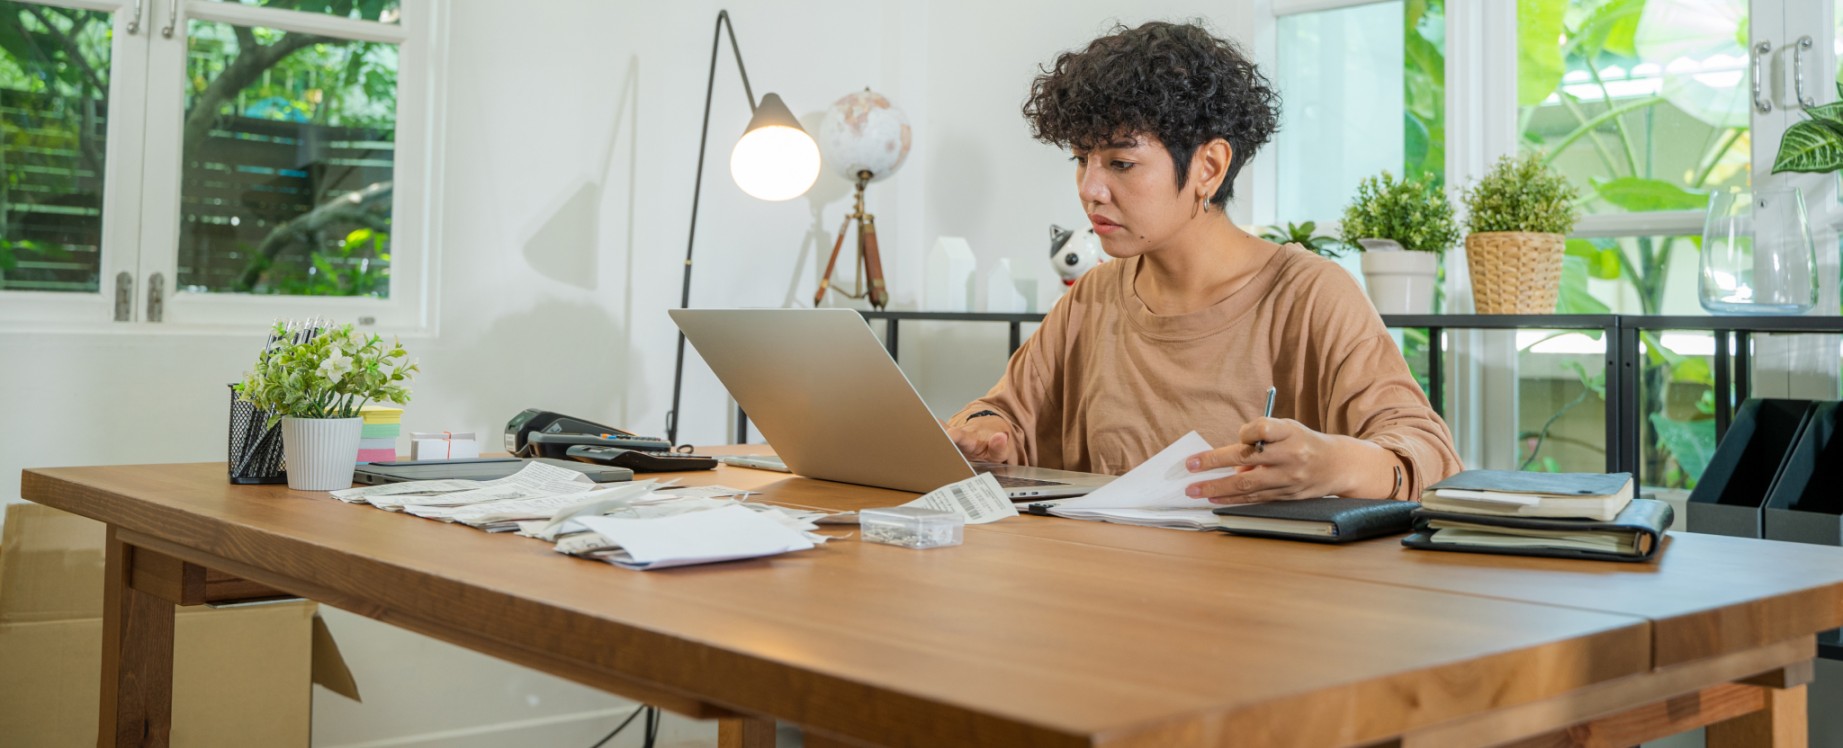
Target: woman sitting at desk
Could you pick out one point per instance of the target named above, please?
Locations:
(1197, 318)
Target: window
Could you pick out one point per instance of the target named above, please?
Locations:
(1647, 105)
(208, 163)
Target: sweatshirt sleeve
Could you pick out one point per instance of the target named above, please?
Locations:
(1025, 397)
(1373, 396)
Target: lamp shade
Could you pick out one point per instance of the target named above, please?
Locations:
(775, 159)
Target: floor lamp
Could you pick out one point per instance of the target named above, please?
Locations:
(775, 159)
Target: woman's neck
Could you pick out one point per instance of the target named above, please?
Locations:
(1204, 264)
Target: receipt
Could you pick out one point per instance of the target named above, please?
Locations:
(978, 500)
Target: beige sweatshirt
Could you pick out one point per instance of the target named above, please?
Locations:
(1105, 383)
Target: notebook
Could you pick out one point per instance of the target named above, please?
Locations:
(1326, 520)
(1635, 535)
(1510, 493)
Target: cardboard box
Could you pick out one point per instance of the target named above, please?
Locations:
(242, 675)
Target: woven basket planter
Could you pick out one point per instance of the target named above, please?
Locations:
(1514, 272)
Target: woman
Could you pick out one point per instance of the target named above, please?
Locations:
(1196, 318)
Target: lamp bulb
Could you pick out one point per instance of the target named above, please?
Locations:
(775, 162)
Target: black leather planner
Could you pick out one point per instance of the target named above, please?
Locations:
(1643, 521)
(1326, 520)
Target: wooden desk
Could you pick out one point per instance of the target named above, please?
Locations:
(1036, 632)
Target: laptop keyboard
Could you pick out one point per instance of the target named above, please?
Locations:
(1011, 481)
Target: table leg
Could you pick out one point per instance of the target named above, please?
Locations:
(1782, 724)
(742, 732)
(137, 657)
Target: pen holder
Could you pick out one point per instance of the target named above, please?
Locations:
(255, 446)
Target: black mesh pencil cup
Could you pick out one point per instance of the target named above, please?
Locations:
(255, 447)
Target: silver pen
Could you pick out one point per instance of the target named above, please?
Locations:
(1260, 444)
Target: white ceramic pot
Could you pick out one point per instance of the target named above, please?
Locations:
(1400, 282)
(321, 452)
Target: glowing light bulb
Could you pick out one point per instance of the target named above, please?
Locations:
(775, 162)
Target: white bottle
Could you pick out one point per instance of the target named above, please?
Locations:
(1001, 292)
(947, 281)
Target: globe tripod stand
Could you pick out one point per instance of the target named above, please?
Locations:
(870, 263)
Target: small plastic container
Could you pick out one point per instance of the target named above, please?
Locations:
(911, 526)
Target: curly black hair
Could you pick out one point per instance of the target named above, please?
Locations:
(1174, 80)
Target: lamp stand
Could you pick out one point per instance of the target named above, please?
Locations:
(697, 189)
(869, 262)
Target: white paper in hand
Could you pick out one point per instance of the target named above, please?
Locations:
(725, 534)
(978, 500)
(1153, 493)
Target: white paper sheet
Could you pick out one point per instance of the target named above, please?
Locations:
(1153, 493)
(726, 534)
(978, 500)
(1490, 497)
(533, 481)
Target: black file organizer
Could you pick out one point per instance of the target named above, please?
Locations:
(1806, 502)
(1731, 497)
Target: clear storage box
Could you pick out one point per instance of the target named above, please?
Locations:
(911, 526)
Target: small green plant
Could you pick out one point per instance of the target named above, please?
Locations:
(1306, 235)
(1522, 194)
(331, 375)
(1411, 212)
(1814, 145)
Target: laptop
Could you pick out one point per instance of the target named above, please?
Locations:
(485, 468)
(824, 392)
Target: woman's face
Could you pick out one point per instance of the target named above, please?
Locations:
(1129, 189)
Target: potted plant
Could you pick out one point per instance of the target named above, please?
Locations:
(314, 381)
(1401, 227)
(1518, 218)
(1814, 145)
(1306, 235)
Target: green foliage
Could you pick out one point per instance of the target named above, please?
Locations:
(1424, 89)
(1522, 194)
(330, 376)
(1539, 50)
(1814, 145)
(1413, 212)
(1304, 234)
(1601, 261)
(360, 266)
(1574, 297)
(1636, 194)
(1692, 443)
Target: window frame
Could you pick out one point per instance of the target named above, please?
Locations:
(1481, 117)
(141, 200)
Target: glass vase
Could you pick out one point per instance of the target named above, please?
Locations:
(1757, 254)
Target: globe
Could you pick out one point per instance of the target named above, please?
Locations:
(864, 132)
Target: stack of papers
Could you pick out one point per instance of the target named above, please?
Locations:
(727, 534)
(1152, 495)
(534, 481)
(637, 525)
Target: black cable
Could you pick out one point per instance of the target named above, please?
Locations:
(617, 730)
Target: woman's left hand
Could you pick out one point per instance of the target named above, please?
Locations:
(1280, 459)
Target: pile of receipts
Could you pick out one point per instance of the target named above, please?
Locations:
(637, 525)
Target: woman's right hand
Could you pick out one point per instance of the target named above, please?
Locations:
(986, 439)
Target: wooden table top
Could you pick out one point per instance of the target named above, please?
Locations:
(1037, 631)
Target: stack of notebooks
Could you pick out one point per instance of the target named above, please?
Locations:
(1565, 515)
(378, 440)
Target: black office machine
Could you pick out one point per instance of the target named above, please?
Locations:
(639, 461)
(542, 433)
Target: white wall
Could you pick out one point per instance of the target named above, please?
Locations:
(571, 132)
